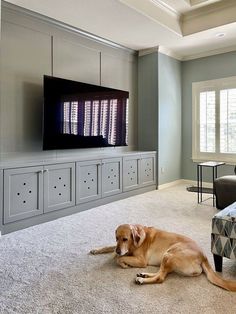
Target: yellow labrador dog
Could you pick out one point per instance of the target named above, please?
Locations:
(140, 246)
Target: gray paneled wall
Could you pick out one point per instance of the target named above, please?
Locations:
(32, 47)
(25, 58)
(68, 53)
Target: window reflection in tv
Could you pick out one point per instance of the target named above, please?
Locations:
(80, 115)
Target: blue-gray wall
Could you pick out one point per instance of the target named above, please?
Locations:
(170, 137)
(148, 102)
(202, 69)
(159, 122)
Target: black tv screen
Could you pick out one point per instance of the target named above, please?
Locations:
(80, 115)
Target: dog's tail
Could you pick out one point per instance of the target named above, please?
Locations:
(106, 249)
(215, 279)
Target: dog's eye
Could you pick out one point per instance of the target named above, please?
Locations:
(116, 239)
(125, 239)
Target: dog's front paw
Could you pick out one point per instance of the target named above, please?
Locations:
(139, 280)
(122, 263)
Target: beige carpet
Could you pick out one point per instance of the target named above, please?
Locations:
(47, 268)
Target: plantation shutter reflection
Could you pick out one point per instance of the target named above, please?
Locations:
(106, 117)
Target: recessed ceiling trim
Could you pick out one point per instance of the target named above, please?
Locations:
(156, 13)
(219, 7)
(202, 2)
(207, 18)
(161, 4)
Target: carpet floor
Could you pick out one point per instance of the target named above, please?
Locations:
(46, 269)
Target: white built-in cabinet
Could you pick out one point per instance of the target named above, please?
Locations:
(59, 186)
(38, 190)
(111, 176)
(31, 191)
(23, 193)
(139, 171)
(88, 176)
(98, 178)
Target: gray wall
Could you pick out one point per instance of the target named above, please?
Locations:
(148, 102)
(170, 144)
(214, 67)
(159, 94)
(31, 46)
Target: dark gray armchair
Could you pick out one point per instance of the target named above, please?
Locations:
(225, 191)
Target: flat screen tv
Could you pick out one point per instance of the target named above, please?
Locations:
(80, 115)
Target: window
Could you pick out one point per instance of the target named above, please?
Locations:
(214, 120)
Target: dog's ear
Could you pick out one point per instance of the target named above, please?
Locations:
(138, 234)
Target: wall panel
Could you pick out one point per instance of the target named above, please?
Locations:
(25, 58)
(76, 62)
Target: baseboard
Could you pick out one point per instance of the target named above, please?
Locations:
(169, 184)
(182, 181)
(194, 182)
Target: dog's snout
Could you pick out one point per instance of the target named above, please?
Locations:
(118, 251)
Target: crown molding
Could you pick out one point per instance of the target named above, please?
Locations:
(22, 10)
(209, 53)
(170, 53)
(166, 51)
(148, 51)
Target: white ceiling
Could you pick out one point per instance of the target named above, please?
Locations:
(185, 29)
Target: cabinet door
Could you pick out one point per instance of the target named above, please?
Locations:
(111, 176)
(131, 172)
(88, 179)
(59, 186)
(148, 170)
(23, 193)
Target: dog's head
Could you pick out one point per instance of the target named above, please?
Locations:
(129, 237)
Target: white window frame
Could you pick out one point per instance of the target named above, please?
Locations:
(197, 88)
